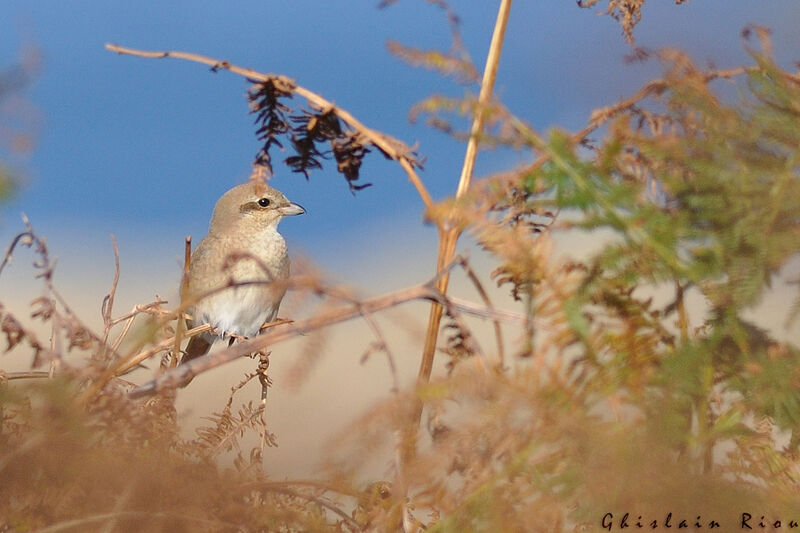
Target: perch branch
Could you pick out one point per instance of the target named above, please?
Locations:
(180, 374)
(427, 291)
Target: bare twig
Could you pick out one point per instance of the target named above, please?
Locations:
(136, 355)
(119, 505)
(150, 308)
(178, 375)
(181, 325)
(48, 301)
(18, 238)
(81, 523)
(427, 291)
(383, 346)
(125, 364)
(395, 149)
(470, 308)
(312, 483)
(23, 375)
(601, 116)
(683, 315)
(108, 302)
(485, 297)
(285, 488)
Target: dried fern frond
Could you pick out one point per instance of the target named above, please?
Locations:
(627, 12)
(271, 115)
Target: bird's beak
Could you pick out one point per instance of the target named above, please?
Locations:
(291, 210)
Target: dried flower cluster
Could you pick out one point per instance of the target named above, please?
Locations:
(627, 12)
(306, 130)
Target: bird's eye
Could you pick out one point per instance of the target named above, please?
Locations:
(263, 202)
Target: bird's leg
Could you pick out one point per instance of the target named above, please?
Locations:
(263, 378)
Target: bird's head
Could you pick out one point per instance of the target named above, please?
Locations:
(254, 204)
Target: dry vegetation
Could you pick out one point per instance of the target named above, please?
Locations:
(603, 401)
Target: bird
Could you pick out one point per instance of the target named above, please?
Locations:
(242, 245)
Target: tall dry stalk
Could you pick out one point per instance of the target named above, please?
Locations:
(449, 232)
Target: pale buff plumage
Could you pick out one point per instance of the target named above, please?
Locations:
(242, 245)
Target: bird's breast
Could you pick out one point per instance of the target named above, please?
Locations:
(234, 279)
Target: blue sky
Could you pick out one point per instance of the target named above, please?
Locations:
(142, 148)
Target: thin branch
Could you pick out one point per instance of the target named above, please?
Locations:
(283, 488)
(130, 317)
(485, 297)
(136, 355)
(23, 375)
(683, 315)
(489, 313)
(28, 233)
(121, 501)
(182, 373)
(138, 309)
(654, 87)
(108, 302)
(319, 485)
(395, 149)
(383, 346)
(123, 365)
(81, 523)
(601, 116)
(181, 325)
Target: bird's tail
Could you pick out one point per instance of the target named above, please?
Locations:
(197, 347)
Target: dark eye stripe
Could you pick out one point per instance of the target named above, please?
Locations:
(249, 206)
(254, 206)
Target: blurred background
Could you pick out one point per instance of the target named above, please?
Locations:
(142, 149)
